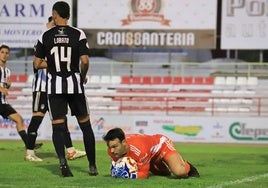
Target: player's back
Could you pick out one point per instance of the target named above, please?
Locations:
(63, 49)
(143, 145)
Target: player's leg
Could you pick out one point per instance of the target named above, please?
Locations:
(39, 108)
(72, 152)
(159, 168)
(11, 113)
(79, 108)
(35, 122)
(177, 165)
(180, 167)
(58, 116)
(20, 128)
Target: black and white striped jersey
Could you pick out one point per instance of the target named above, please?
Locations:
(62, 47)
(4, 76)
(40, 80)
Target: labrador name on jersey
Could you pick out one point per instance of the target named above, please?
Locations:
(61, 40)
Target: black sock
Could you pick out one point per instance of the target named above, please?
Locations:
(58, 141)
(67, 136)
(24, 137)
(89, 142)
(32, 131)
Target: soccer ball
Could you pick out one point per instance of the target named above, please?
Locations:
(126, 162)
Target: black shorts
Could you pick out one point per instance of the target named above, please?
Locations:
(6, 110)
(58, 105)
(40, 103)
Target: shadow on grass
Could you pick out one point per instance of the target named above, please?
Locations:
(44, 155)
(55, 169)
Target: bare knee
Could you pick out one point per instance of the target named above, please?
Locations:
(17, 118)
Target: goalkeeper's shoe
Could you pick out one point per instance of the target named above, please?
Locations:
(93, 171)
(76, 154)
(65, 171)
(193, 171)
(32, 157)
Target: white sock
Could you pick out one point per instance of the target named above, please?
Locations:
(30, 152)
(70, 150)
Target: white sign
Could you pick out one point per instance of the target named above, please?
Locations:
(22, 22)
(179, 128)
(244, 24)
(156, 23)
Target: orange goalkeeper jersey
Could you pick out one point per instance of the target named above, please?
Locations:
(146, 149)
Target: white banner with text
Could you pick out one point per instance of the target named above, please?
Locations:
(22, 22)
(244, 24)
(178, 128)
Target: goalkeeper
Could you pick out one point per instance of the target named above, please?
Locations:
(153, 153)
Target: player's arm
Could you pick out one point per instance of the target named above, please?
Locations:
(8, 83)
(6, 86)
(4, 91)
(84, 67)
(143, 170)
(39, 63)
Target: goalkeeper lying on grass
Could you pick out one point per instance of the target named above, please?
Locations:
(152, 153)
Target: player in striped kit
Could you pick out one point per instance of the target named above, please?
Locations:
(6, 110)
(60, 50)
(39, 109)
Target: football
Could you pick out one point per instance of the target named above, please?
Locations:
(126, 162)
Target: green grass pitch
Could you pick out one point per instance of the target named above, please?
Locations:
(234, 166)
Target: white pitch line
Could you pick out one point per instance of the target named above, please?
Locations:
(235, 182)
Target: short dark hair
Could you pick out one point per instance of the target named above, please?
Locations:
(62, 8)
(113, 134)
(49, 19)
(4, 46)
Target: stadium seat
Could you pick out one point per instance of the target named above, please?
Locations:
(209, 80)
(146, 80)
(116, 79)
(136, 80)
(230, 80)
(219, 80)
(177, 80)
(105, 79)
(23, 78)
(232, 109)
(125, 80)
(187, 80)
(156, 80)
(198, 80)
(244, 109)
(167, 80)
(252, 81)
(221, 109)
(13, 78)
(18, 78)
(95, 79)
(26, 90)
(241, 81)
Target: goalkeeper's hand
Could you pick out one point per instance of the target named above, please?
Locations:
(122, 172)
